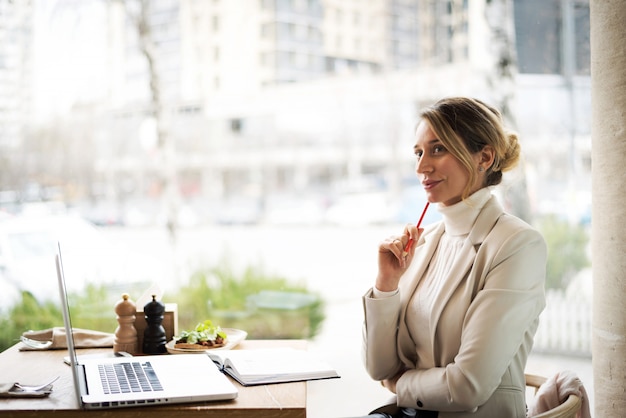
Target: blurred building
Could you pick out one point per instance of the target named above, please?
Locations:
(295, 96)
(553, 36)
(284, 95)
(16, 61)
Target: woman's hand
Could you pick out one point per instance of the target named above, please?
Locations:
(393, 260)
(391, 383)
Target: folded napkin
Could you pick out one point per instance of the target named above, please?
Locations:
(9, 390)
(83, 338)
(556, 390)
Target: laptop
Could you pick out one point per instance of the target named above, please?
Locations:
(118, 382)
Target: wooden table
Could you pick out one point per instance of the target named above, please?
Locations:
(32, 367)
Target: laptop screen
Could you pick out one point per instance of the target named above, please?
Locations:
(68, 324)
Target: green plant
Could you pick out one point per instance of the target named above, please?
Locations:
(27, 314)
(91, 309)
(225, 297)
(566, 250)
(216, 293)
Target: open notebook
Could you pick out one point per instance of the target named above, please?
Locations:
(115, 382)
(271, 365)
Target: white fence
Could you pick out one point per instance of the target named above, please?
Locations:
(565, 325)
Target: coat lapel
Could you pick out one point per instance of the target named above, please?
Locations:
(485, 221)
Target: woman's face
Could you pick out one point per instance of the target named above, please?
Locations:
(442, 175)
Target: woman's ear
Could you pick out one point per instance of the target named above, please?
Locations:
(487, 156)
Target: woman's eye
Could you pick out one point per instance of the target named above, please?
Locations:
(438, 149)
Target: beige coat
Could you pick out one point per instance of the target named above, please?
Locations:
(483, 326)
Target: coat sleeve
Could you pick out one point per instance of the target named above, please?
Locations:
(380, 329)
(501, 321)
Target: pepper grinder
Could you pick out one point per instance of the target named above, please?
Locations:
(125, 333)
(154, 335)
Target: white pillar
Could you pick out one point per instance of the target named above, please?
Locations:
(608, 75)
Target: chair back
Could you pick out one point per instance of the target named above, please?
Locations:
(568, 409)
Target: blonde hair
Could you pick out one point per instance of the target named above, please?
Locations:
(465, 126)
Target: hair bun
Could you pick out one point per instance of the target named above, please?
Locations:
(511, 153)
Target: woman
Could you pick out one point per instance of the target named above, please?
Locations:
(450, 322)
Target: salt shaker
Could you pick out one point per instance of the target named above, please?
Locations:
(125, 333)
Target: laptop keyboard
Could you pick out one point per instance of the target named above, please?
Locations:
(129, 377)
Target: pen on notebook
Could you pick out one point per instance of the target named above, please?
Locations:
(408, 244)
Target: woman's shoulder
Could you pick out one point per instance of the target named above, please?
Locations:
(506, 221)
(515, 224)
(515, 231)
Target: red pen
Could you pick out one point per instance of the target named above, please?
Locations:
(407, 247)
